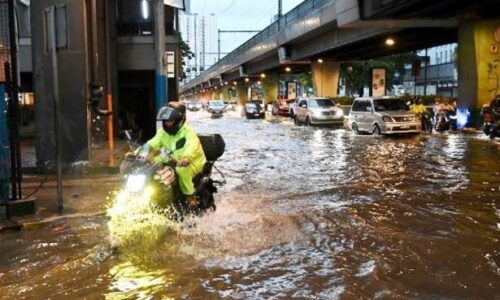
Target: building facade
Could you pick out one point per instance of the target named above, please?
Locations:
(439, 77)
(108, 43)
(200, 34)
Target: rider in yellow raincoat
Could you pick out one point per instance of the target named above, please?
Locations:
(190, 157)
(418, 107)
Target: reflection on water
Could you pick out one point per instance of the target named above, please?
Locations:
(131, 281)
(307, 213)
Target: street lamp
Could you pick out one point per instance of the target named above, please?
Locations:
(390, 42)
(263, 75)
(145, 9)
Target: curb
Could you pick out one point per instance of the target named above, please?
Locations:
(91, 170)
(13, 226)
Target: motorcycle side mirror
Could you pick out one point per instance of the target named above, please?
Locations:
(180, 143)
(128, 135)
(130, 140)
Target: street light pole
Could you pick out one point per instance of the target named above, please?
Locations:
(218, 44)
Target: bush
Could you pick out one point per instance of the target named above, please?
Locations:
(343, 100)
(427, 100)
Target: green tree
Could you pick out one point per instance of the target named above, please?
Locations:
(357, 75)
(305, 81)
(186, 55)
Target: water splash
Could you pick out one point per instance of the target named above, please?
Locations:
(463, 117)
(137, 223)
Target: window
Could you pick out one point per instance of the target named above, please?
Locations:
(360, 105)
(390, 105)
(321, 103)
(23, 19)
(131, 18)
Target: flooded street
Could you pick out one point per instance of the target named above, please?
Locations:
(308, 213)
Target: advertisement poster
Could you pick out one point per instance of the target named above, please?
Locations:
(254, 94)
(292, 89)
(378, 82)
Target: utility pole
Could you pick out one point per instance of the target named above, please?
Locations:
(159, 38)
(230, 31)
(12, 73)
(425, 73)
(109, 94)
(195, 32)
(280, 9)
(57, 105)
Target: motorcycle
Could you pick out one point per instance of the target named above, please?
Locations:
(426, 121)
(491, 125)
(151, 192)
(445, 121)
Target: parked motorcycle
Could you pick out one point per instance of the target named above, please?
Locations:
(445, 121)
(491, 125)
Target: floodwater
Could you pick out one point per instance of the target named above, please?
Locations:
(307, 213)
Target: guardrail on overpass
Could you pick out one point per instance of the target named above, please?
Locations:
(306, 17)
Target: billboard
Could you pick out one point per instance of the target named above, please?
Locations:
(291, 87)
(378, 84)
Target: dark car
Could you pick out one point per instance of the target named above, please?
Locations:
(194, 105)
(281, 107)
(254, 110)
(216, 108)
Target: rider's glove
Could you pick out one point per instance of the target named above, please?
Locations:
(183, 162)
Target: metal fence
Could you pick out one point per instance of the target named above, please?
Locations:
(4, 37)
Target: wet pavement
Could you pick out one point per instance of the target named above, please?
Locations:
(307, 213)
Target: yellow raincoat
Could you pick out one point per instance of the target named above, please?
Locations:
(191, 150)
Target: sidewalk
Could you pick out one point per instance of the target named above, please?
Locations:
(85, 187)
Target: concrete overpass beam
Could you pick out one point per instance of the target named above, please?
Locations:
(325, 77)
(478, 64)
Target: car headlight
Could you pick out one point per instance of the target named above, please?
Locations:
(135, 183)
(340, 113)
(387, 119)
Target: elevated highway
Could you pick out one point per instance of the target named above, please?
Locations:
(349, 30)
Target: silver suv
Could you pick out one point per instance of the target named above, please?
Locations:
(316, 111)
(382, 115)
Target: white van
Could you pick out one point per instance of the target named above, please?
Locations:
(382, 115)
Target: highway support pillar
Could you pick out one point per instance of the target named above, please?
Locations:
(325, 77)
(270, 85)
(478, 65)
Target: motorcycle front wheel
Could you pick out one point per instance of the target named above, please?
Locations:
(487, 129)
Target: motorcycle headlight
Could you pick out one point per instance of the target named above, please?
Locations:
(387, 119)
(135, 183)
